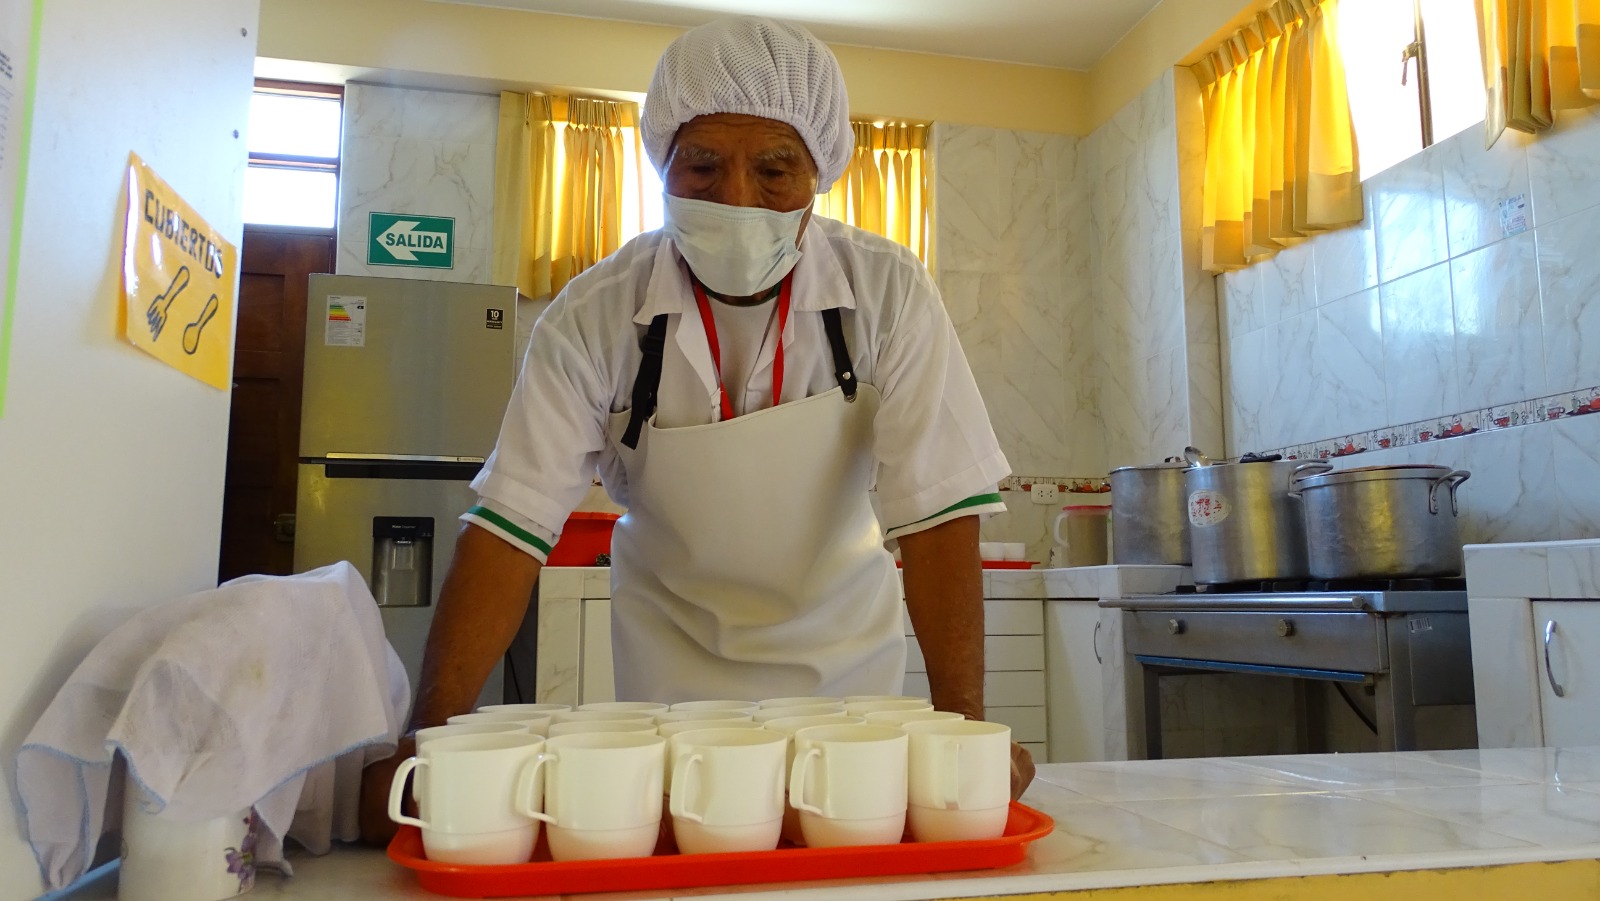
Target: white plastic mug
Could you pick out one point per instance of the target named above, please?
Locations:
(164, 859)
(712, 704)
(602, 726)
(727, 790)
(862, 708)
(789, 726)
(420, 776)
(479, 799)
(959, 779)
(900, 717)
(650, 707)
(799, 702)
(535, 723)
(849, 784)
(772, 713)
(602, 794)
(600, 716)
(535, 709)
(686, 716)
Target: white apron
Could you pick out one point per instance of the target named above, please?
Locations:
(750, 563)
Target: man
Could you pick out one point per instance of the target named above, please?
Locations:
(745, 380)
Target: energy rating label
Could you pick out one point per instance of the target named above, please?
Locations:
(347, 321)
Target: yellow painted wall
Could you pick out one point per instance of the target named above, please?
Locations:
(448, 45)
(482, 48)
(1177, 32)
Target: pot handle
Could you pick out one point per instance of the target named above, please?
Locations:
(1306, 470)
(1453, 480)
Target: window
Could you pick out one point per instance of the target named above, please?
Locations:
(1428, 42)
(293, 176)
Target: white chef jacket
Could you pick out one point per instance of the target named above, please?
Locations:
(937, 457)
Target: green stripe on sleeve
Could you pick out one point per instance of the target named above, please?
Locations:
(517, 532)
(977, 500)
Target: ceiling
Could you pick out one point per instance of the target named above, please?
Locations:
(1064, 34)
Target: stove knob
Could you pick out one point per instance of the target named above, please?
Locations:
(1285, 628)
(1175, 626)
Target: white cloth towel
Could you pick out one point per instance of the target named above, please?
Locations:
(272, 691)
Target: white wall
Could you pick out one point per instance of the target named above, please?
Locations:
(111, 463)
(1433, 313)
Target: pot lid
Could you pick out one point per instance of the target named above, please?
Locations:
(1429, 472)
(1151, 467)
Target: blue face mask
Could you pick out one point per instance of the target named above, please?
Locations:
(736, 251)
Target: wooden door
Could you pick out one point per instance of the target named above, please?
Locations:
(264, 423)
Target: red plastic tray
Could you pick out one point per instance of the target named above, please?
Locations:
(543, 876)
(998, 564)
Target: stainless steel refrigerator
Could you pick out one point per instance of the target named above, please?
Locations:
(406, 382)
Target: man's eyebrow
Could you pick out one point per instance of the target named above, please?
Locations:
(694, 153)
(783, 154)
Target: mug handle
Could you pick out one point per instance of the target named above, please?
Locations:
(677, 804)
(797, 782)
(952, 776)
(1055, 529)
(524, 799)
(397, 792)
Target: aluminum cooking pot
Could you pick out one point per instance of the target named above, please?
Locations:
(1150, 520)
(1244, 525)
(1382, 522)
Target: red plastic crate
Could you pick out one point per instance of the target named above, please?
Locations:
(543, 876)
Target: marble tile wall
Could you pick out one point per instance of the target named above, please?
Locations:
(1473, 284)
(1013, 260)
(423, 152)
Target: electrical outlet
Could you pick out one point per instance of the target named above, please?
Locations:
(1044, 493)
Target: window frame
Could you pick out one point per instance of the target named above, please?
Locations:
(290, 162)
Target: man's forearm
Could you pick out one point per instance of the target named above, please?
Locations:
(481, 606)
(944, 595)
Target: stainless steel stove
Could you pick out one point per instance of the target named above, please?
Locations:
(1406, 644)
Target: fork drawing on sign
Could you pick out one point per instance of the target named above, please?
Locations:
(191, 332)
(156, 316)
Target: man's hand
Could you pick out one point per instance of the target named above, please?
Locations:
(1021, 770)
(376, 827)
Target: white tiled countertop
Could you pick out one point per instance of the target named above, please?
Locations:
(1183, 821)
(1535, 569)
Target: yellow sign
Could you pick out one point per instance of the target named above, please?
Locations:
(178, 276)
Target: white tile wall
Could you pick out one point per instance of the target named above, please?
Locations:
(1472, 308)
(424, 152)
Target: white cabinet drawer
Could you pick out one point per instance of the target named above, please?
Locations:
(1025, 617)
(915, 662)
(1024, 689)
(1013, 617)
(1009, 653)
(1027, 723)
(917, 685)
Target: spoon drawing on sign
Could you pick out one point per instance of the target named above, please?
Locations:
(191, 332)
(156, 315)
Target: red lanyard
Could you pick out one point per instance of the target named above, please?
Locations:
(710, 324)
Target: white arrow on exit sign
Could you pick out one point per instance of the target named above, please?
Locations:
(404, 242)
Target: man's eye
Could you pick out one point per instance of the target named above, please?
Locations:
(774, 173)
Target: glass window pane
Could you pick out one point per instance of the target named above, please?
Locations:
(294, 125)
(1372, 35)
(1455, 69)
(290, 197)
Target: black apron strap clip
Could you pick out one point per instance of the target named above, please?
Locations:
(647, 380)
(832, 324)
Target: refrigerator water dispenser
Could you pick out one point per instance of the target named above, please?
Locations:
(402, 560)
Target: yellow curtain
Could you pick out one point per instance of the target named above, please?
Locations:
(1539, 56)
(560, 168)
(885, 187)
(1281, 159)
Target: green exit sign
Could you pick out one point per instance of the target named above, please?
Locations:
(398, 239)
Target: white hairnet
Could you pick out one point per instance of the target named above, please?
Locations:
(757, 67)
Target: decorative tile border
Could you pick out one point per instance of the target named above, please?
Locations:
(1543, 409)
(1064, 484)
